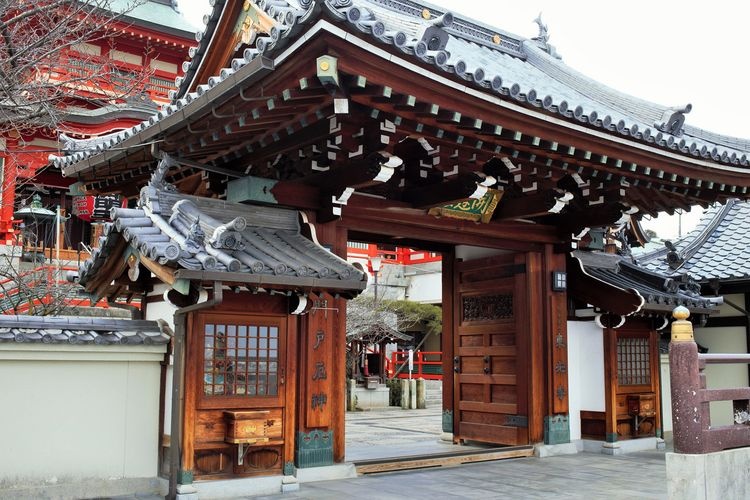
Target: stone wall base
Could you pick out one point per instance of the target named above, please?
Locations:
(85, 488)
(723, 474)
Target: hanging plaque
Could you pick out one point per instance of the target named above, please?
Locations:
(479, 210)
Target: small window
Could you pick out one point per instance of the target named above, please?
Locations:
(633, 361)
(240, 360)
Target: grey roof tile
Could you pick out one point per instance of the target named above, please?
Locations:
(77, 330)
(527, 71)
(205, 234)
(656, 288)
(719, 246)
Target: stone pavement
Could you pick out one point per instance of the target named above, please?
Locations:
(396, 432)
(393, 432)
(585, 475)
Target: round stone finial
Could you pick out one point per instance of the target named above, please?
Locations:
(680, 313)
(682, 330)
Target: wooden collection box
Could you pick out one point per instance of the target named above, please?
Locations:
(250, 427)
(641, 405)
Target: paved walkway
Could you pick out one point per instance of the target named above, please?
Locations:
(396, 432)
(585, 475)
(393, 432)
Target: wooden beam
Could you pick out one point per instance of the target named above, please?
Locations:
(373, 169)
(460, 188)
(165, 274)
(536, 205)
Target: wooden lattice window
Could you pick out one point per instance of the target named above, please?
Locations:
(633, 361)
(240, 359)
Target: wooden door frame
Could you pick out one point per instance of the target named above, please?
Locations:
(233, 308)
(530, 342)
(637, 328)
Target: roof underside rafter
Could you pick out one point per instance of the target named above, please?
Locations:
(333, 116)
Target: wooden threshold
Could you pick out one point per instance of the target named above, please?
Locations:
(442, 459)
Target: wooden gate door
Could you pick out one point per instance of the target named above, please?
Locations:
(235, 415)
(491, 352)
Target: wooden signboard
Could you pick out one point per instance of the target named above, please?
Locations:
(480, 210)
(319, 355)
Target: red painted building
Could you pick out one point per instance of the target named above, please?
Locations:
(131, 74)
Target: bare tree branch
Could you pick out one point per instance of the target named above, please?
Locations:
(41, 76)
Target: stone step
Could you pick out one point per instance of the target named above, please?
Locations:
(442, 459)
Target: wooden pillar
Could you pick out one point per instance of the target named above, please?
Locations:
(291, 372)
(536, 300)
(339, 360)
(557, 424)
(318, 384)
(653, 340)
(610, 382)
(320, 438)
(447, 339)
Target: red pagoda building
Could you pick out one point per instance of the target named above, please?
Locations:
(114, 82)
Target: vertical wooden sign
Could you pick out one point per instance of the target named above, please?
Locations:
(559, 353)
(319, 356)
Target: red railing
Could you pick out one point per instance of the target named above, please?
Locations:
(691, 415)
(427, 365)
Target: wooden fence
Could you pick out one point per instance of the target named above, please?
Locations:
(691, 415)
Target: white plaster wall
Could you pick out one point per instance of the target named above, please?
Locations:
(425, 288)
(165, 311)
(720, 376)
(666, 394)
(78, 412)
(726, 310)
(585, 371)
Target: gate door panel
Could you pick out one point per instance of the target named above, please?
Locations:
(489, 363)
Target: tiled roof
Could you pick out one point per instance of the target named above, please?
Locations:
(718, 248)
(77, 330)
(248, 243)
(136, 108)
(160, 13)
(525, 71)
(659, 292)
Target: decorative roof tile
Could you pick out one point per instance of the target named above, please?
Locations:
(254, 244)
(80, 330)
(718, 248)
(526, 71)
(659, 292)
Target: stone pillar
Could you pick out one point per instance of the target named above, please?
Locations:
(412, 394)
(688, 412)
(404, 394)
(421, 394)
(351, 400)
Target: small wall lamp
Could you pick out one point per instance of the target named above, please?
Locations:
(559, 281)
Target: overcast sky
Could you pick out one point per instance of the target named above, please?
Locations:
(667, 51)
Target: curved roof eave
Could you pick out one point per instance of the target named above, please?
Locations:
(206, 93)
(641, 301)
(479, 49)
